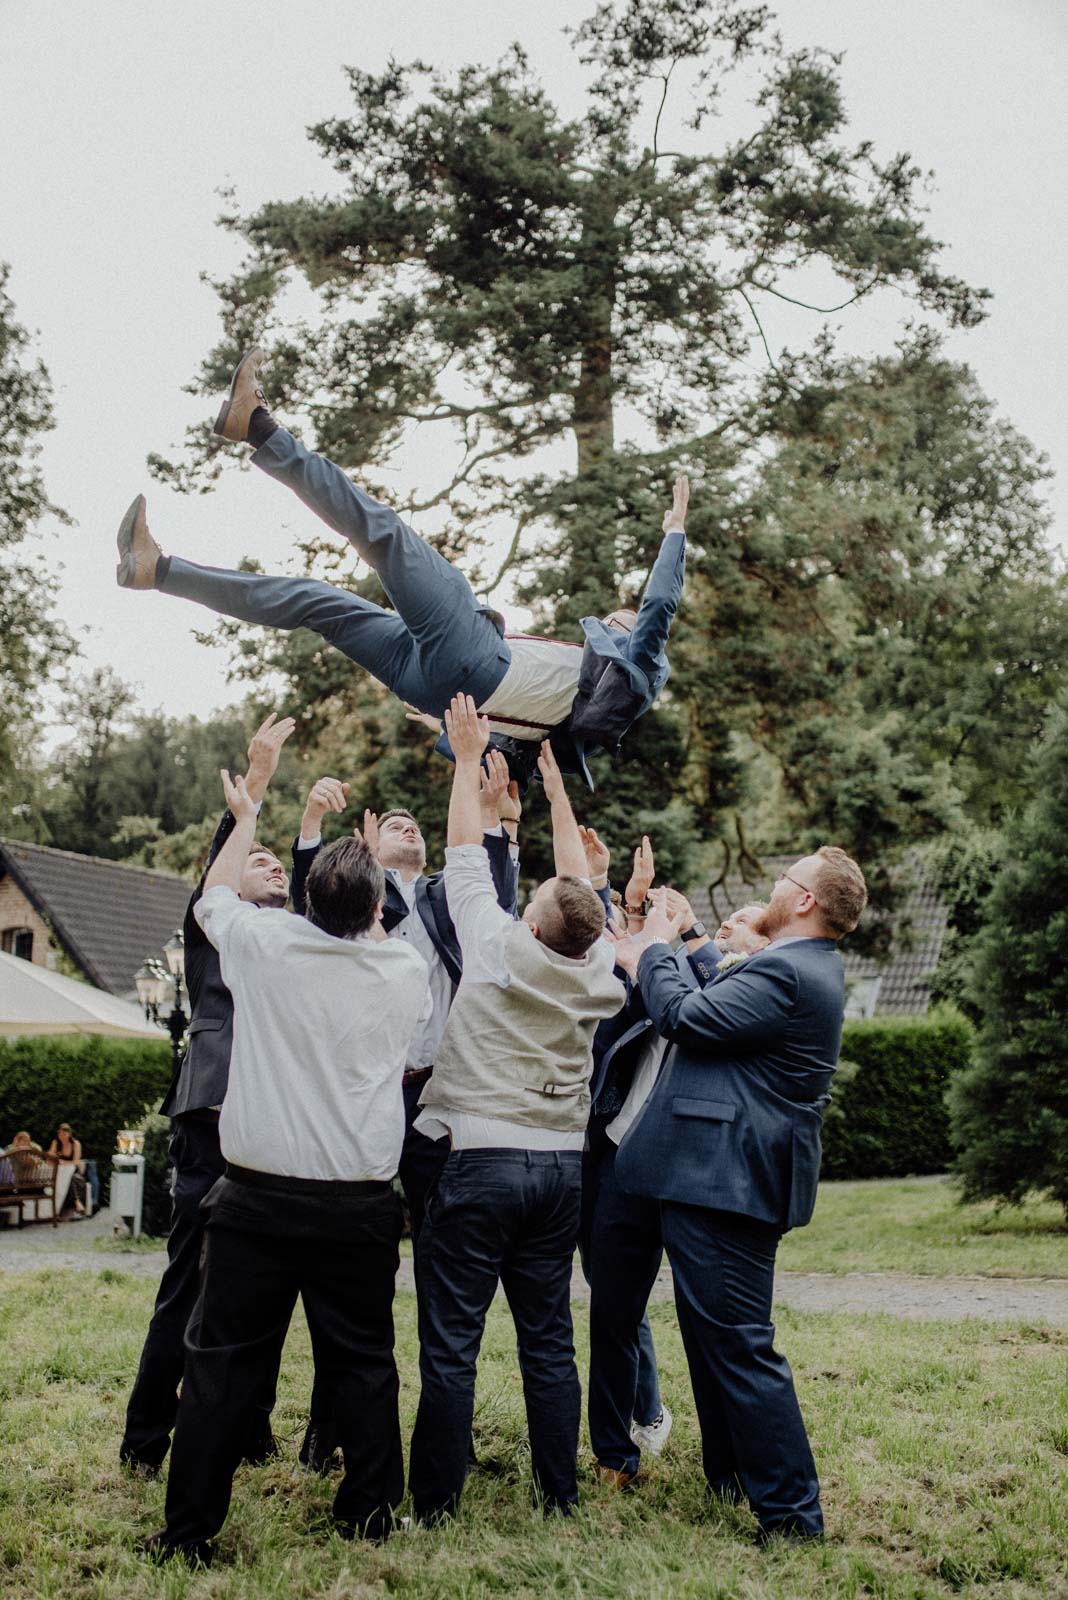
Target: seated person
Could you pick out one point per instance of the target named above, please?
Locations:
(67, 1149)
(22, 1141)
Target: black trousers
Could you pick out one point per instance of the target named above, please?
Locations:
(623, 1254)
(753, 1438)
(421, 1158)
(420, 1167)
(153, 1404)
(268, 1241)
(508, 1216)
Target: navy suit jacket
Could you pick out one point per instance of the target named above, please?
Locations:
(430, 900)
(733, 1122)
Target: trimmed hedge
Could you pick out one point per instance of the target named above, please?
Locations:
(96, 1084)
(888, 1117)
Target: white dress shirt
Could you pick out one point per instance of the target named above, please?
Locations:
(537, 691)
(321, 1032)
(411, 930)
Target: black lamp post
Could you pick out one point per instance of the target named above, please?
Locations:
(158, 984)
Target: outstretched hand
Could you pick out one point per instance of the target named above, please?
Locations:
(241, 804)
(369, 834)
(493, 780)
(266, 743)
(468, 732)
(412, 715)
(598, 856)
(550, 775)
(325, 794)
(675, 519)
(627, 949)
(661, 923)
(642, 876)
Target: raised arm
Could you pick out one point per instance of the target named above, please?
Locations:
(225, 871)
(468, 737)
(664, 588)
(569, 854)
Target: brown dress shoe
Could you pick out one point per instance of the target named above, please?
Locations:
(245, 395)
(138, 551)
(613, 1477)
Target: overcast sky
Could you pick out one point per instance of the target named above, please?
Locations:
(121, 120)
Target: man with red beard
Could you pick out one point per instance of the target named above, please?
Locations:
(729, 1144)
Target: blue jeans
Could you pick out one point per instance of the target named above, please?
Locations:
(752, 1434)
(622, 1256)
(436, 643)
(508, 1216)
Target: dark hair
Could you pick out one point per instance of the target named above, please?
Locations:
(397, 811)
(344, 886)
(576, 920)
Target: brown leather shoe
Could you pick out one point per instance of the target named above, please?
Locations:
(245, 395)
(138, 551)
(613, 1477)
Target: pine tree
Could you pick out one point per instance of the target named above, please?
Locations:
(1009, 1110)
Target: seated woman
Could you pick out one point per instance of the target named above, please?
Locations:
(22, 1141)
(67, 1149)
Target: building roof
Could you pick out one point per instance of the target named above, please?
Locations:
(903, 977)
(106, 915)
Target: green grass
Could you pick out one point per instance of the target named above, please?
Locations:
(917, 1225)
(943, 1451)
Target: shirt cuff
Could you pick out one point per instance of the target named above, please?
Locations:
(463, 852)
(493, 833)
(309, 844)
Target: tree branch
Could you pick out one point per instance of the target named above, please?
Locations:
(663, 101)
(513, 551)
(824, 311)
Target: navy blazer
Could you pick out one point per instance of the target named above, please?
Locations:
(430, 900)
(733, 1122)
(620, 678)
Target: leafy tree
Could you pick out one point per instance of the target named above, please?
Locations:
(1009, 1110)
(870, 602)
(143, 786)
(33, 645)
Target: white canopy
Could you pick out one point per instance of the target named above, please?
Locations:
(34, 1000)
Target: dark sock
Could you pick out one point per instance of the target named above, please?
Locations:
(260, 427)
(163, 567)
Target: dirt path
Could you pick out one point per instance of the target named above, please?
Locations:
(1032, 1300)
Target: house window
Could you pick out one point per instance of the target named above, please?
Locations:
(18, 942)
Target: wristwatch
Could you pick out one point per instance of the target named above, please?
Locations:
(639, 911)
(698, 931)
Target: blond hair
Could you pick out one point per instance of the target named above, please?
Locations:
(840, 890)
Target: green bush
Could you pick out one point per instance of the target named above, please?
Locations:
(96, 1084)
(888, 1117)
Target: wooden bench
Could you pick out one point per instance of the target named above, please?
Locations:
(27, 1176)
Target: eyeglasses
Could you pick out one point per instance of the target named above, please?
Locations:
(785, 877)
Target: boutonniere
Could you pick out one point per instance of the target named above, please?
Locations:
(731, 959)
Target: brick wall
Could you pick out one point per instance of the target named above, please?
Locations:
(17, 912)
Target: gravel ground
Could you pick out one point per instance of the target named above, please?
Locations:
(1030, 1300)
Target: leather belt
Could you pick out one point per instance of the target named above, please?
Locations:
(414, 1073)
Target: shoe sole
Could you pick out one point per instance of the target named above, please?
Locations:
(126, 571)
(221, 420)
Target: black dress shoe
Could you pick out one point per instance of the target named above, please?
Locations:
(318, 1453)
(260, 1451)
(137, 1467)
(160, 1547)
(787, 1533)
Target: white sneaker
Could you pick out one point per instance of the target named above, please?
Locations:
(652, 1436)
